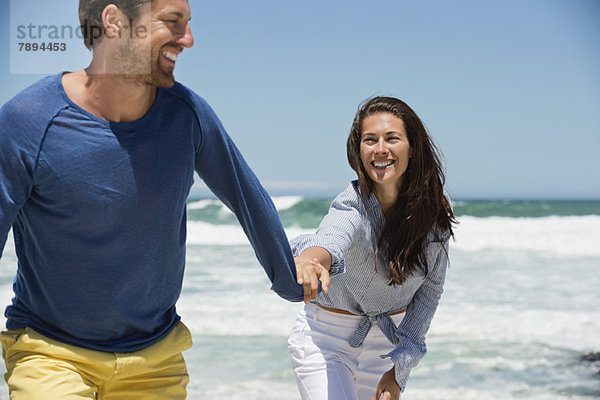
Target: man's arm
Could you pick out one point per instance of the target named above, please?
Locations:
(223, 169)
(17, 158)
(24, 121)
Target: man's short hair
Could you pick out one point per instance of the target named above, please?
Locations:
(90, 17)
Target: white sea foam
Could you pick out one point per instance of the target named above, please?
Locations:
(285, 202)
(245, 314)
(203, 233)
(200, 204)
(233, 389)
(466, 393)
(498, 325)
(561, 236)
(280, 202)
(567, 236)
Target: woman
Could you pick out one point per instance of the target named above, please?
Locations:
(384, 243)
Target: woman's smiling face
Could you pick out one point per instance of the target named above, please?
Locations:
(384, 149)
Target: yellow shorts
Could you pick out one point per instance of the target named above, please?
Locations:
(42, 368)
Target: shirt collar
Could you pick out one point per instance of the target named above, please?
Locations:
(371, 201)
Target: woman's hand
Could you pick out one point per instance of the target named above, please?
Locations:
(309, 273)
(388, 389)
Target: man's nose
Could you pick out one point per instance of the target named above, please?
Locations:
(187, 40)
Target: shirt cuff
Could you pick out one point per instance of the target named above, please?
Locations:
(302, 242)
(337, 268)
(404, 360)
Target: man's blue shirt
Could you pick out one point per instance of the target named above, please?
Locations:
(98, 211)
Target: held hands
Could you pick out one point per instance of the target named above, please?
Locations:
(388, 388)
(309, 273)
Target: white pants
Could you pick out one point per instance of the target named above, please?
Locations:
(326, 366)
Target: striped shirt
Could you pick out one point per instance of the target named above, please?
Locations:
(349, 232)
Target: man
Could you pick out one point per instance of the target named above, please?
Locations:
(95, 168)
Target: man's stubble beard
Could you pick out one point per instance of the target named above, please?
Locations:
(137, 66)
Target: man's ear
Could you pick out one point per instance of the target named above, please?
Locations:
(112, 19)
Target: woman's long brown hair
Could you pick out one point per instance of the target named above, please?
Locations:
(421, 203)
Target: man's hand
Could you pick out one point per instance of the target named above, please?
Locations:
(388, 389)
(309, 273)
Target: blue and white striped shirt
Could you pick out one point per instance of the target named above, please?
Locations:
(349, 232)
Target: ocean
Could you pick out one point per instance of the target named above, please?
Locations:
(519, 311)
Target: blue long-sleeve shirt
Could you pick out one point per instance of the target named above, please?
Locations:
(98, 211)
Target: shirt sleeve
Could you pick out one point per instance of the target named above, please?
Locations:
(224, 170)
(18, 153)
(415, 324)
(336, 232)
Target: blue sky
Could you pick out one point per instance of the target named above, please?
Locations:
(509, 90)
